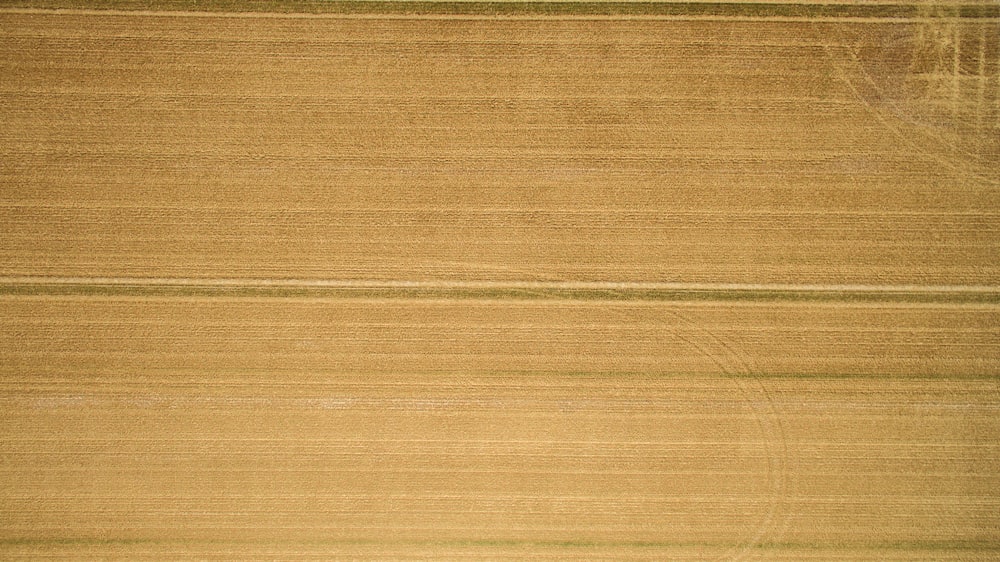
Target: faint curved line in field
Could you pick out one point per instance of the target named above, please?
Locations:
(907, 117)
(768, 421)
(738, 368)
(970, 165)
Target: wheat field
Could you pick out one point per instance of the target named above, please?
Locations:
(499, 280)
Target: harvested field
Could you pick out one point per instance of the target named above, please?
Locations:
(499, 280)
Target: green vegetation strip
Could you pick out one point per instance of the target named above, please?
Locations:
(463, 293)
(915, 545)
(529, 8)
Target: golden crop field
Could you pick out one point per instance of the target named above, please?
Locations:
(499, 280)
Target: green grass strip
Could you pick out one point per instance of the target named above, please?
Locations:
(529, 8)
(461, 293)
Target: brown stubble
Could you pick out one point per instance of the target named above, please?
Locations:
(634, 286)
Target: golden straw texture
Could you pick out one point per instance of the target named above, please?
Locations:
(499, 280)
